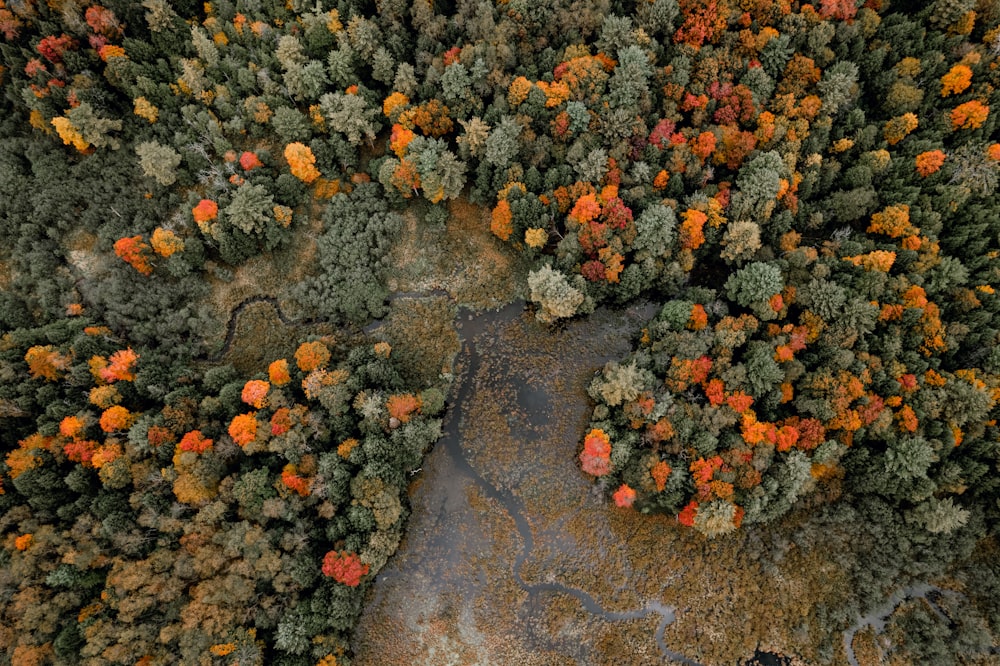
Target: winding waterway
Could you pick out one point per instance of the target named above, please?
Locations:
(478, 496)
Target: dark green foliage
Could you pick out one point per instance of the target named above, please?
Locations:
(353, 258)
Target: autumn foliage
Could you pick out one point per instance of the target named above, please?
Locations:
(135, 252)
(970, 115)
(344, 567)
(243, 428)
(302, 162)
(929, 162)
(312, 355)
(596, 455)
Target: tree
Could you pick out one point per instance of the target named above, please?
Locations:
(929, 162)
(166, 243)
(135, 252)
(956, 80)
(344, 567)
(301, 162)
(351, 116)
(554, 295)
(46, 362)
(312, 355)
(502, 143)
(243, 428)
(255, 393)
(158, 161)
(755, 284)
(595, 459)
(970, 115)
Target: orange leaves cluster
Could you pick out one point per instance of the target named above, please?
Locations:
(586, 209)
(956, 80)
(584, 74)
(894, 222)
(432, 118)
(688, 513)
(281, 421)
(45, 362)
(116, 418)
(699, 318)
(249, 161)
(118, 367)
(206, 211)
(344, 448)
(165, 242)
(400, 139)
(222, 649)
(929, 162)
(703, 22)
(135, 252)
(970, 115)
(703, 145)
(72, 427)
(195, 442)
(255, 393)
(595, 458)
(877, 260)
(660, 473)
(295, 482)
(624, 497)
(501, 220)
(105, 396)
(243, 428)
(312, 355)
(556, 92)
(518, 91)
(907, 419)
(301, 162)
(23, 458)
(394, 104)
(715, 391)
(684, 372)
(838, 9)
(23, 542)
(401, 406)
(344, 567)
(277, 372)
(691, 234)
(70, 135)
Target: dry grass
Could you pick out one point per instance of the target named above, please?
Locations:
(463, 258)
(423, 338)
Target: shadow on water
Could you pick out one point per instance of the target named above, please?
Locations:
(443, 530)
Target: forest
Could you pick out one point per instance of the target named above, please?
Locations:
(212, 409)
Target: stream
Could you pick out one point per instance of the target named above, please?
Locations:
(439, 571)
(488, 567)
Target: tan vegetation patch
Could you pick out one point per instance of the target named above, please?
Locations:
(465, 258)
(423, 338)
(269, 274)
(866, 648)
(81, 255)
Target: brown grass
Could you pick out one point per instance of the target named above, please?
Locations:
(463, 258)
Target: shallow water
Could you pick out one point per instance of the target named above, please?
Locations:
(491, 567)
